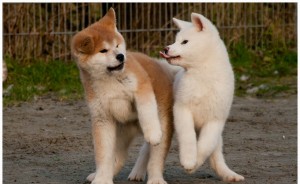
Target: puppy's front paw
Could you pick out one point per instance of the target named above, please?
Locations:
(91, 177)
(233, 178)
(189, 162)
(189, 165)
(137, 175)
(156, 181)
(153, 137)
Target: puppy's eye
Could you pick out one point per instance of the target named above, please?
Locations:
(118, 46)
(184, 42)
(103, 50)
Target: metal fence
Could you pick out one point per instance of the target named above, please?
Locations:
(43, 30)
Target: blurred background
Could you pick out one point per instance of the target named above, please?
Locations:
(261, 39)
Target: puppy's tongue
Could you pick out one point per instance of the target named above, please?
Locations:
(164, 55)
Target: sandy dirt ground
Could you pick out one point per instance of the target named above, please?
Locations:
(48, 141)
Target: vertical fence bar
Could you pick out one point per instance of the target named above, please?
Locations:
(230, 31)
(65, 31)
(47, 29)
(41, 30)
(20, 37)
(143, 28)
(261, 23)
(71, 5)
(244, 9)
(250, 23)
(77, 18)
(273, 12)
(82, 16)
(154, 25)
(33, 36)
(166, 15)
(59, 7)
(255, 28)
(137, 23)
(52, 29)
(206, 9)
(148, 27)
(125, 14)
(160, 24)
(131, 24)
(27, 29)
(89, 14)
(9, 36)
(284, 25)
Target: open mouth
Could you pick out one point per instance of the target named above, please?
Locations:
(116, 68)
(168, 57)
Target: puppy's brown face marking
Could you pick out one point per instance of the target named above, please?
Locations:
(98, 47)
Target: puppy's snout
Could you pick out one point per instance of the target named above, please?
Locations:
(120, 58)
(166, 50)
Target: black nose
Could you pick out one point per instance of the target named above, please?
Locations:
(120, 57)
(166, 50)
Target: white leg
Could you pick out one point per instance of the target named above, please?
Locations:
(208, 140)
(148, 116)
(184, 126)
(156, 165)
(138, 173)
(217, 162)
(104, 137)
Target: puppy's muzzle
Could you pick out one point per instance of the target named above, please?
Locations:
(120, 58)
(166, 50)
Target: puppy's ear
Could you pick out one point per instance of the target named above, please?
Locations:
(82, 43)
(200, 22)
(181, 24)
(109, 20)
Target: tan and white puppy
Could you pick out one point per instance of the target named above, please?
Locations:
(127, 93)
(203, 92)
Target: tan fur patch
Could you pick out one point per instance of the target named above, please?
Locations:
(90, 40)
(148, 70)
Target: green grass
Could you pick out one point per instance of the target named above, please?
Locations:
(275, 70)
(39, 78)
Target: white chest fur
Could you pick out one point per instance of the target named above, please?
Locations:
(208, 94)
(114, 97)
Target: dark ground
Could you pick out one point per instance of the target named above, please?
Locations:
(48, 141)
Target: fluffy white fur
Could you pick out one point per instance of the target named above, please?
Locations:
(203, 91)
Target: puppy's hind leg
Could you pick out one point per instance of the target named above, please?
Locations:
(138, 173)
(217, 162)
(208, 140)
(125, 137)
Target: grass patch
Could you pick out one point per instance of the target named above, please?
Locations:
(271, 71)
(261, 74)
(29, 80)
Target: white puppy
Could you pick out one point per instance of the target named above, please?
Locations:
(203, 92)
